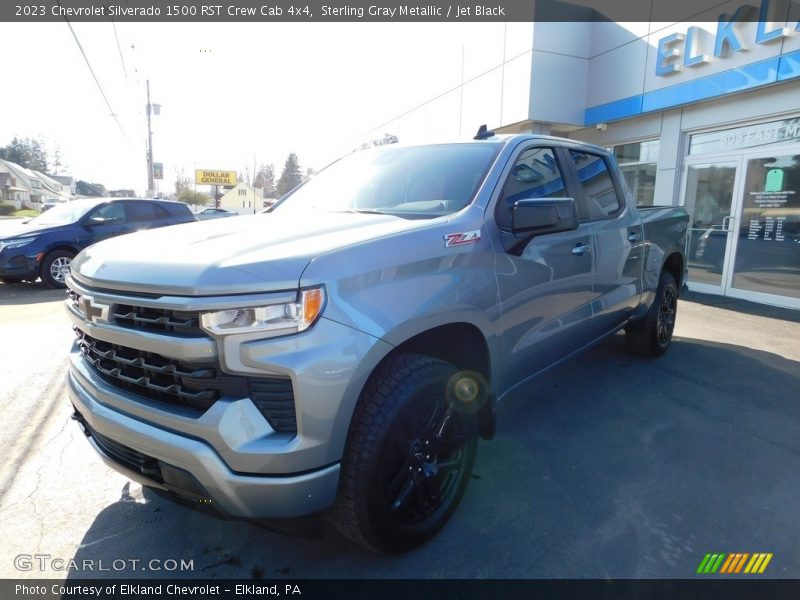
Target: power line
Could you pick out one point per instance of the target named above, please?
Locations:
(97, 81)
(119, 49)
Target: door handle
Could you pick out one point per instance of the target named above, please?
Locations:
(726, 223)
(581, 249)
(634, 237)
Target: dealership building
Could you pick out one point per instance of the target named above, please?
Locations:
(704, 115)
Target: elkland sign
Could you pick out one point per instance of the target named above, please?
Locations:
(690, 49)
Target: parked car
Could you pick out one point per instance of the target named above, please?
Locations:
(344, 352)
(214, 213)
(50, 204)
(45, 245)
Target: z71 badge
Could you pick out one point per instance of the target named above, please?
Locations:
(464, 237)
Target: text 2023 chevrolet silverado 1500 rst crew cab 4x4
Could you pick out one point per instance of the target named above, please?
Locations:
(345, 352)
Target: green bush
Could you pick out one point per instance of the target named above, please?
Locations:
(7, 209)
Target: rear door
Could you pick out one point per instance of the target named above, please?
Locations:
(617, 238)
(545, 283)
(145, 215)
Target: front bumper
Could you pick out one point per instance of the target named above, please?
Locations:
(18, 266)
(192, 470)
(227, 454)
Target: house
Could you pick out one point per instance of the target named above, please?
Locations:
(26, 188)
(68, 183)
(243, 199)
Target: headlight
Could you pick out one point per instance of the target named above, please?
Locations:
(18, 243)
(277, 319)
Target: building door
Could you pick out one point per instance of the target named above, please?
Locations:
(764, 262)
(744, 235)
(709, 192)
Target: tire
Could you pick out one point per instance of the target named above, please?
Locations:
(395, 492)
(652, 335)
(55, 268)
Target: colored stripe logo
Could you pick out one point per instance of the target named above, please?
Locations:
(737, 562)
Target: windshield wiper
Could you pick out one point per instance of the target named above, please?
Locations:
(363, 211)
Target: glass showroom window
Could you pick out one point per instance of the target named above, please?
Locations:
(638, 161)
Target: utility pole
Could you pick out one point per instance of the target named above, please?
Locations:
(150, 184)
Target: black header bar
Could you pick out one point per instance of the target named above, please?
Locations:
(250, 11)
(404, 589)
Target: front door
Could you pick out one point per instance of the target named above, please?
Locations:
(709, 199)
(764, 262)
(546, 285)
(744, 236)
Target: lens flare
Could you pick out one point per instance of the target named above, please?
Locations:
(467, 391)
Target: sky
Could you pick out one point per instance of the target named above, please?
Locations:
(231, 94)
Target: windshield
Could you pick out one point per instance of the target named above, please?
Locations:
(417, 181)
(63, 214)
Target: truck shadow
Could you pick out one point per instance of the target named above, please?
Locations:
(608, 466)
(20, 294)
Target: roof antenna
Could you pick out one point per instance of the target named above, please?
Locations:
(483, 133)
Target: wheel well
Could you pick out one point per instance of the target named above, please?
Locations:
(60, 247)
(674, 266)
(460, 344)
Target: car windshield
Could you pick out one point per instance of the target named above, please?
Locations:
(63, 214)
(417, 181)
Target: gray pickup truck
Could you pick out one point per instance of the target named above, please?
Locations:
(345, 352)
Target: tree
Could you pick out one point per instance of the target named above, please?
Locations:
(309, 174)
(27, 152)
(189, 196)
(291, 176)
(182, 182)
(58, 160)
(244, 176)
(265, 180)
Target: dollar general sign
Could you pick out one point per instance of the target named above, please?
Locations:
(203, 177)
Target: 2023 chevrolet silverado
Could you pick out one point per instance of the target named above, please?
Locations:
(345, 351)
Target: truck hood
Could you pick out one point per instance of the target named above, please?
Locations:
(247, 254)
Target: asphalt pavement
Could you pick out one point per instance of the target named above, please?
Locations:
(610, 466)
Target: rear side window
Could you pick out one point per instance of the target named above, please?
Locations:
(600, 196)
(535, 174)
(141, 211)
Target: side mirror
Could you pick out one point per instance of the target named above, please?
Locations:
(541, 216)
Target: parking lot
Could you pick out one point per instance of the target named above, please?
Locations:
(610, 466)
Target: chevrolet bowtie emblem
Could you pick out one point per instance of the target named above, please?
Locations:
(93, 310)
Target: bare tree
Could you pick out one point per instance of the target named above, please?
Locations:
(265, 180)
(182, 181)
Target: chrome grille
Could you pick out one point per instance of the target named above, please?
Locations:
(156, 377)
(193, 386)
(157, 319)
(160, 320)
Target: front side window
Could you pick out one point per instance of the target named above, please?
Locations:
(109, 212)
(600, 195)
(535, 174)
(413, 182)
